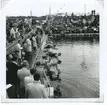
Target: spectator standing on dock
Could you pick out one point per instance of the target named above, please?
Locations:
(13, 67)
(38, 38)
(29, 79)
(40, 69)
(8, 60)
(13, 33)
(28, 49)
(36, 89)
(22, 73)
(17, 33)
(29, 45)
(18, 51)
(34, 41)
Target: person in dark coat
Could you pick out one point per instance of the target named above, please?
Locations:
(13, 67)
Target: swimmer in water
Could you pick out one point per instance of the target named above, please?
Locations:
(53, 68)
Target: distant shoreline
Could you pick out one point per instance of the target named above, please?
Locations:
(77, 35)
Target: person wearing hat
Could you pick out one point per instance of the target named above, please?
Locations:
(22, 73)
(54, 71)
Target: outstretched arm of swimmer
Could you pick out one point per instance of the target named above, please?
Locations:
(57, 68)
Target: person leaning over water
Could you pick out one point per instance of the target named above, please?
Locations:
(54, 56)
(54, 71)
(36, 89)
(51, 61)
(40, 69)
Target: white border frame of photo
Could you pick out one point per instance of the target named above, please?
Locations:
(62, 100)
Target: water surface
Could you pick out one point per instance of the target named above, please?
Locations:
(79, 68)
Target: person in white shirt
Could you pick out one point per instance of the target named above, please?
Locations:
(17, 33)
(41, 71)
(28, 50)
(34, 42)
(29, 79)
(22, 73)
(36, 89)
(13, 33)
(29, 45)
(18, 51)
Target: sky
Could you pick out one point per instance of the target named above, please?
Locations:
(41, 7)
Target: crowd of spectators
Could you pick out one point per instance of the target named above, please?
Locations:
(28, 81)
(16, 27)
(75, 24)
(31, 82)
(18, 62)
(57, 24)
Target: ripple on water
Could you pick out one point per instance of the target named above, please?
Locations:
(77, 83)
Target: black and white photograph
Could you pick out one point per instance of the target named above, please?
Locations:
(52, 49)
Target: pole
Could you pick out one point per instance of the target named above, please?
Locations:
(31, 18)
(85, 9)
(49, 11)
(31, 13)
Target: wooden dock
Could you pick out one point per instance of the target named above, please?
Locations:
(77, 35)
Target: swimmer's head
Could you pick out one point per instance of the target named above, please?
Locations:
(32, 70)
(54, 45)
(59, 54)
(36, 76)
(25, 63)
(52, 54)
(19, 41)
(44, 57)
(38, 63)
(59, 61)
